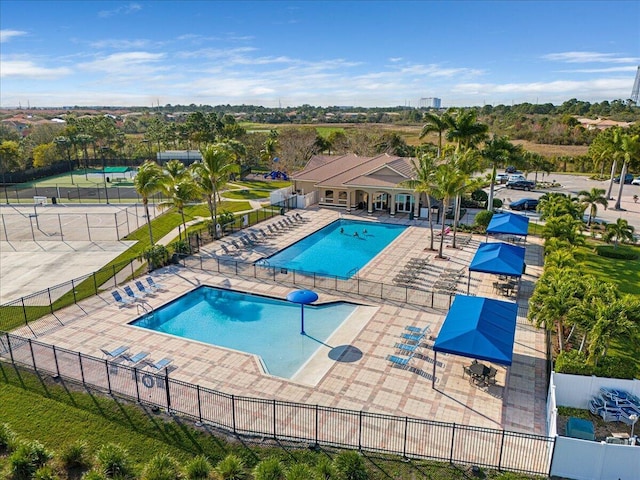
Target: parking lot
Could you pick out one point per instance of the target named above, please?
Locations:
(573, 184)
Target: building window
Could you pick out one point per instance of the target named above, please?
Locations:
(328, 196)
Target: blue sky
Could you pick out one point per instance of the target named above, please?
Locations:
(321, 53)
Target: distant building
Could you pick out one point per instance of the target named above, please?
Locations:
(186, 156)
(430, 102)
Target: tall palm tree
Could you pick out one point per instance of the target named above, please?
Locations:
(179, 194)
(148, 181)
(465, 130)
(218, 163)
(630, 149)
(424, 170)
(591, 199)
(498, 151)
(448, 180)
(435, 123)
(620, 231)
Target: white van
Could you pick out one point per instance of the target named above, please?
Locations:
(516, 178)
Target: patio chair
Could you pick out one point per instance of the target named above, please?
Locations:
(491, 376)
(160, 364)
(417, 330)
(154, 285)
(130, 293)
(115, 353)
(402, 362)
(122, 302)
(412, 337)
(226, 250)
(407, 348)
(135, 359)
(143, 290)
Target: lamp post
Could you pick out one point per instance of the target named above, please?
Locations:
(104, 175)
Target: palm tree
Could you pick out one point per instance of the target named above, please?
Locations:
(465, 130)
(558, 290)
(591, 199)
(148, 181)
(448, 180)
(178, 196)
(423, 183)
(218, 163)
(499, 151)
(435, 123)
(620, 231)
(630, 149)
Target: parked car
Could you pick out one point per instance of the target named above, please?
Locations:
(521, 185)
(524, 204)
(628, 178)
(511, 169)
(635, 181)
(502, 178)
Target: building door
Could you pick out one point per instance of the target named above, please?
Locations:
(380, 201)
(404, 202)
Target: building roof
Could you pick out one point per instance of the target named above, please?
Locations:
(383, 171)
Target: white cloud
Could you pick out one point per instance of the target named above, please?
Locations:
(6, 35)
(28, 69)
(129, 63)
(630, 68)
(119, 44)
(598, 88)
(123, 10)
(589, 57)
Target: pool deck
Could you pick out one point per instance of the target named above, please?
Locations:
(351, 370)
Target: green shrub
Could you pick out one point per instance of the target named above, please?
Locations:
(157, 256)
(325, 469)
(114, 461)
(350, 466)
(27, 458)
(198, 469)
(161, 467)
(180, 247)
(483, 218)
(94, 475)
(497, 203)
(45, 473)
(616, 367)
(231, 467)
(75, 455)
(620, 253)
(299, 471)
(7, 438)
(480, 196)
(268, 469)
(573, 362)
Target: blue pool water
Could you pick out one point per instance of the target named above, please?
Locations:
(255, 324)
(335, 250)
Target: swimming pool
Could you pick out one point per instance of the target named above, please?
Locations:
(341, 248)
(264, 326)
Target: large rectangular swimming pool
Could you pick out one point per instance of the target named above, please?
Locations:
(264, 326)
(339, 249)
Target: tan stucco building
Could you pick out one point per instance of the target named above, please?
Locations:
(353, 182)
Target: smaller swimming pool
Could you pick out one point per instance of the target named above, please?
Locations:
(341, 248)
(263, 326)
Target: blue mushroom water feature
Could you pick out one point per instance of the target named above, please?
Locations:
(303, 297)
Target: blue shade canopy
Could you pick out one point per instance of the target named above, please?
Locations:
(508, 224)
(479, 327)
(498, 258)
(302, 296)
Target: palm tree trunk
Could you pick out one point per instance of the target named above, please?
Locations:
(444, 202)
(491, 188)
(145, 202)
(622, 175)
(560, 336)
(613, 172)
(430, 222)
(184, 225)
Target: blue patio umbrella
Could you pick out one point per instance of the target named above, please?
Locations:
(303, 297)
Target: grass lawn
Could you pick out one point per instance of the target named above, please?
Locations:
(59, 414)
(247, 194)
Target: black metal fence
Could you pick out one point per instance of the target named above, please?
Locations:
(314, 424)
(101, 192)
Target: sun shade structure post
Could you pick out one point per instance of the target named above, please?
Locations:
(303, 297)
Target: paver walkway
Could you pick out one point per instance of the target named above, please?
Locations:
(370, 383)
